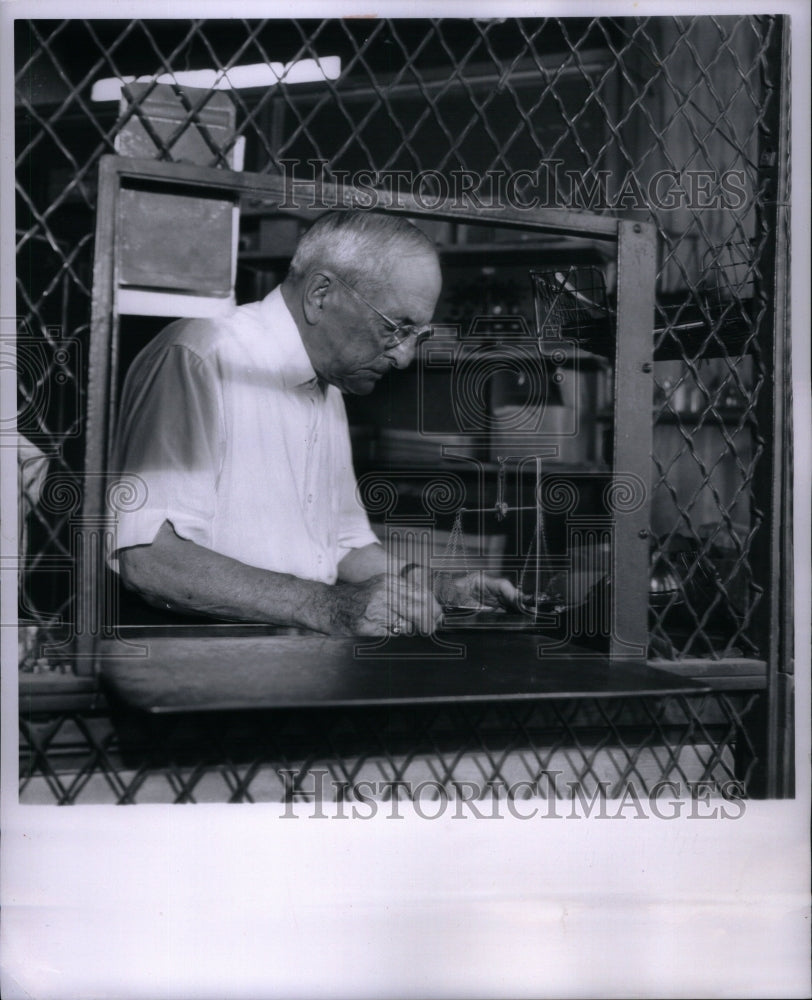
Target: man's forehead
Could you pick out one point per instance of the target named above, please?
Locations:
(408, 264)
(414, 287)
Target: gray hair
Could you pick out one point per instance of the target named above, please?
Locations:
(357, 245)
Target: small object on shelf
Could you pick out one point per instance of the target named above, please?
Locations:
(664, 584)
(679, 396)
(733, 397)
(663, 392)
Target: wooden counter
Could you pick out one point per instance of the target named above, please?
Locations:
(196, 674)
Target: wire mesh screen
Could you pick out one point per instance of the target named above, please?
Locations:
(481, 752)
(672, 120)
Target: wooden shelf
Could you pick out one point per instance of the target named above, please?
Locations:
(728, 418)
(549, 466)
(552, 247)
(560, 247)
(377, 460)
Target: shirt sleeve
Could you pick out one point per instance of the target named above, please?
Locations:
(354, 531)
(169, 448)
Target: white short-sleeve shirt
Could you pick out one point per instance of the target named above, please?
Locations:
(239, 445)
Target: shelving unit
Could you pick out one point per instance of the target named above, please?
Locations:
(482, 248)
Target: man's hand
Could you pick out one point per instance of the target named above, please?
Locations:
(480, 591)
(383, 605)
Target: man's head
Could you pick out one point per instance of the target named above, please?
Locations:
(361, 287)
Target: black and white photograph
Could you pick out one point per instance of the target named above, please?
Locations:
(406, 429)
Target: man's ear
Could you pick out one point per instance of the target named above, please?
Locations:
(314, 299)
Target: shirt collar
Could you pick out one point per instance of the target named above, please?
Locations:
(294, 363)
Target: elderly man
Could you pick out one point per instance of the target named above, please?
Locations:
(237, 427)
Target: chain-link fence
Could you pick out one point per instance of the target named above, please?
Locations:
(677, 121)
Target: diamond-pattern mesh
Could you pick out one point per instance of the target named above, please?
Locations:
(641, 100)
(82, 757)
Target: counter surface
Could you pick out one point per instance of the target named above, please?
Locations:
(171, 674)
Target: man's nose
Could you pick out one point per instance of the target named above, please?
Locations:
(402, 354)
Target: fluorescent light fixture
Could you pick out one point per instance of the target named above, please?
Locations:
(235, 78)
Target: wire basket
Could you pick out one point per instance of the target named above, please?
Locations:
(570, 303)
(728, 289)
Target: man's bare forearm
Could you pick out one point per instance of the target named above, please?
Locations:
(371, 598)
(180, 575)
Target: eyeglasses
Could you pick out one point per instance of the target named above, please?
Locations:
(401, 331)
